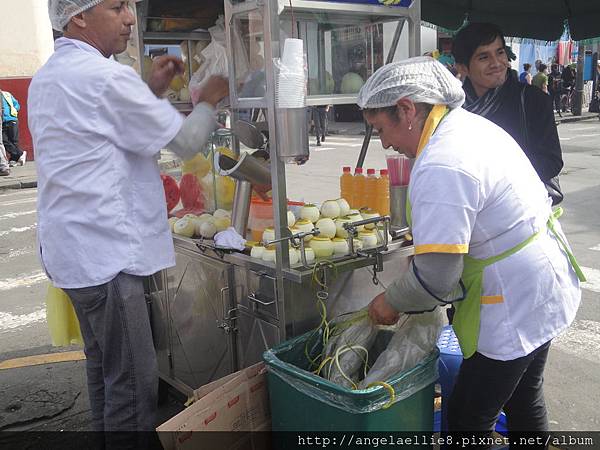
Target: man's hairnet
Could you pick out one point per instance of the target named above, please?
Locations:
(421, 79)
(61, 11)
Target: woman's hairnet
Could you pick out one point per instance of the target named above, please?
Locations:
(61, 11)
(421, 79)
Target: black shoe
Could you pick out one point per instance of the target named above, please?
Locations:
(318, 144)
(323, 138)
(4, 172)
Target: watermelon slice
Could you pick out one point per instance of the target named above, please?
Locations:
(182, 212)
(192, 194)
(171, 191)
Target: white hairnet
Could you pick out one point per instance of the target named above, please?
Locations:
(421, 79)
(61, 11)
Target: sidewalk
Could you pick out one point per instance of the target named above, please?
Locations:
(22, 177)
(26, 176)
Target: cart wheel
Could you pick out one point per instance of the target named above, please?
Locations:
(163, 391)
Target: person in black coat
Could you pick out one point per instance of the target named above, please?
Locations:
(493, 91)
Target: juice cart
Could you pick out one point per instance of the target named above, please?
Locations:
(218, 310)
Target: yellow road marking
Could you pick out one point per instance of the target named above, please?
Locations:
(48, 358)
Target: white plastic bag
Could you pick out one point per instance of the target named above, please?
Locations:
(214, 60)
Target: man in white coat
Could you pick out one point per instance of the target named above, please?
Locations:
(102, 220)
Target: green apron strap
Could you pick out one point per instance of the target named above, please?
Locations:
(551, 221)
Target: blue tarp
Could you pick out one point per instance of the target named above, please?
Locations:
(530, 51)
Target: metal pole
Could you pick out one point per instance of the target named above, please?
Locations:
(389, 59)
(578, 99)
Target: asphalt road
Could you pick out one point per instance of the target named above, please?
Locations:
(572, 374)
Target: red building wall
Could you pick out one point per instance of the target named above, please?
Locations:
(19, 87)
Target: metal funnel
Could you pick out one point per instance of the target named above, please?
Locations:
(249, 167)
(250, 170)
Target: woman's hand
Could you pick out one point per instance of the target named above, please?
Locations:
(164, 68)
(381, 313)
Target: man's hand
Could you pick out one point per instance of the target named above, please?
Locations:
(214, 90)
(164, 68)
(381, 313)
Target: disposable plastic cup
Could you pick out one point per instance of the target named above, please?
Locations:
(293, 52)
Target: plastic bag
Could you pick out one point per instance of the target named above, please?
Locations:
(62, 320)
(288, 362)
(214, 61)
(415, 338)
(348, 349)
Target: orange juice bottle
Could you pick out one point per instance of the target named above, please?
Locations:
(346, 184)
(383, 193)
(371, 190)
(358, 197)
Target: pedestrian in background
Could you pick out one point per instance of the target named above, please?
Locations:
(493, 91)
(319, 117)
(98, 130)
(525, 76)
(10, 128)
(4, 165)
(540, 79)
(555, 87)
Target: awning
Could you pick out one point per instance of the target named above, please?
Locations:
(536, 19)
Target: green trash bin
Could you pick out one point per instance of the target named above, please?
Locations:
(303, 401)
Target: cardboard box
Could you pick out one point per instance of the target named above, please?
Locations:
(228, 413)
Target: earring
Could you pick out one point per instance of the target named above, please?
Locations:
(409, 126)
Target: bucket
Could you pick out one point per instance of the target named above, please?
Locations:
(303, 401)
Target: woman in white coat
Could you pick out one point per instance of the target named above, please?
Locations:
(486, 240)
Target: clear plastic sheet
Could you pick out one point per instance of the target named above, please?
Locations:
(415, 338)
(349, 350)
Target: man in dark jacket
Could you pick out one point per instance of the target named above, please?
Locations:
(493, 91)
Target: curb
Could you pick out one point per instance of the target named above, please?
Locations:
(18, 184)
(576, 119)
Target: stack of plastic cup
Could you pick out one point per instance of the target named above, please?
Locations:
(291, 80)
(399, 169)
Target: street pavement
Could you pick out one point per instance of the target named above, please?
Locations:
(42, 394)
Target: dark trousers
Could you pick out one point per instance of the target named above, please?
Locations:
(319, 116)
(484, 387)
(122, 371)
(556, 100)
(10, 138)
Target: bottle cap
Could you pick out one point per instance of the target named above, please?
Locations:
(383, 172)
(370, 171)
(358, 170)
(347, 169)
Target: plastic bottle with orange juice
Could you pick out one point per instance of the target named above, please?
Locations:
(371, 190)
(346, 185)
(359, 184)
(382, 190)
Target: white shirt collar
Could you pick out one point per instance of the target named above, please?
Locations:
(64, 42)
